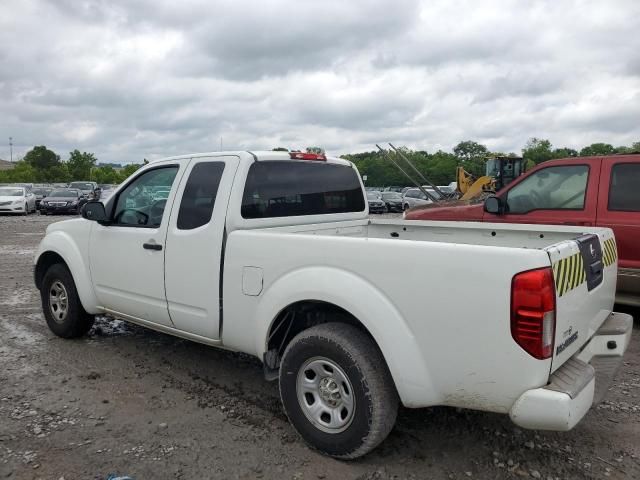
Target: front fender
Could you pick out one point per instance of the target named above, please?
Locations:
(366, 303)
(63, 244)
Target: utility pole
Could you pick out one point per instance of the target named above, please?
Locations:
(220, 143)
(11, 148)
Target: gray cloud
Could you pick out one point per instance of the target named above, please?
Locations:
(129, 80)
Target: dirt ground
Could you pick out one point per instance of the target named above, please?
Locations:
(129, 401)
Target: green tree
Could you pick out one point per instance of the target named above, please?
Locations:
(105, 174)
(472, 155)
(127, 171)
(21, 172)
(79, 164)
(537, 150)
(41, 158)
(597, 149)
(564, 152)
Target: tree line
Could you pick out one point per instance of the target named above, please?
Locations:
(440, 167)
(41, 165)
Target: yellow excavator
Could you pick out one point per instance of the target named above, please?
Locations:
(499, 171)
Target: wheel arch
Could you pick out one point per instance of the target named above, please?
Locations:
(331, 294)
(58, 248)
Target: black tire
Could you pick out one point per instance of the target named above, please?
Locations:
(75, 322)
(26, 209)
(406, 207)
(376, 399)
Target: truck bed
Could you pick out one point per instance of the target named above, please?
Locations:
(443, 285)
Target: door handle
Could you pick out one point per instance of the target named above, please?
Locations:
(152, 246)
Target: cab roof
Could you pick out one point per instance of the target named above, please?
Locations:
(265, 155)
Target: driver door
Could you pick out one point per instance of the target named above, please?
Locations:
(556, 195)
(127, 255)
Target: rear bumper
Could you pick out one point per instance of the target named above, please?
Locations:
(580, 383)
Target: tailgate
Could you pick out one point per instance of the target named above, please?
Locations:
(585, 271)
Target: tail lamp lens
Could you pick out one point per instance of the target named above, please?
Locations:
(533, 312)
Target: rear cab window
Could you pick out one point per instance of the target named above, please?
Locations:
(297, 188)
(623, 190)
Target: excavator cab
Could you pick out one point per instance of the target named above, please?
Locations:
(504, 170)
(499, 171)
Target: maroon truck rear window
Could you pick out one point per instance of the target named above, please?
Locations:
(623, 191)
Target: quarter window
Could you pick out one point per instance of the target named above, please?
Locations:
(199, 195)
(140, 204)
(293, 188)
(552, 188)
(623, 191)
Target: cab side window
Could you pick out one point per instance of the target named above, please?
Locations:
(623, 190)
(552, 188)
(199, 195)
(142, 202)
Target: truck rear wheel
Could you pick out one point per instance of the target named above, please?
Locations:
(337, 390)
(61, 305)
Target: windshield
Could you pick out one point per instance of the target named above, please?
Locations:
(373, 195)
(64, 193)
(81, 185)
(41, 191)
(391, 196)
(11, 192)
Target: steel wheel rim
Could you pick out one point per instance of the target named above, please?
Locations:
(325, 395)
(58, 301)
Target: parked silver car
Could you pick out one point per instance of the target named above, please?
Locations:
(414, 197)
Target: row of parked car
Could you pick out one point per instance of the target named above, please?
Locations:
(400, 199)
(25, 198)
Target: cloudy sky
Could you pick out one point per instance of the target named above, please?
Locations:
(151, 78)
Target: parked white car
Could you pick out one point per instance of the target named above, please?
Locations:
(270, 254)
(17, 200)
(414, 197)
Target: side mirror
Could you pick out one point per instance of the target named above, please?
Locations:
(494, 205)
(94, 211)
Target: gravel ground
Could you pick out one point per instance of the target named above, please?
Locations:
(127, 400)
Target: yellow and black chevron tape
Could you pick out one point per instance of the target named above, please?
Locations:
(569, 273)
(610, 252)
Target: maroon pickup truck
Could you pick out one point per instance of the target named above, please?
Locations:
(598, 191)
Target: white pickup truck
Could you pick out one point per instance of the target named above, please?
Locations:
(273, 254)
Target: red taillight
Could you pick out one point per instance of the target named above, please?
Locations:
(307, 156)
(533, 312)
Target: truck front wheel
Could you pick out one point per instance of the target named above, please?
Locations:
(61, 305)
(337, 390)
